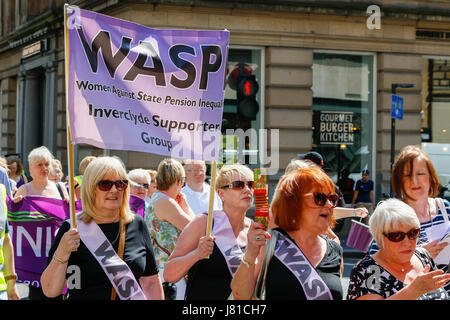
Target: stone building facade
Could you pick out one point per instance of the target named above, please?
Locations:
(312, 59)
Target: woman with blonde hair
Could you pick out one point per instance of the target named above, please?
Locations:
(209, 279)
(108, 237)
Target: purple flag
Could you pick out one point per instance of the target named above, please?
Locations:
(34, 222)
(137, 205)
(131, 87)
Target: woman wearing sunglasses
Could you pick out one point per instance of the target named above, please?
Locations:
(167, 215)
(209, 278)
(108, 238)
(415, 181)
(306, 264)
(399, 270)
(139, 182)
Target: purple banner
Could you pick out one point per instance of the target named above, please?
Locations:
(131, 87)
(33, 223)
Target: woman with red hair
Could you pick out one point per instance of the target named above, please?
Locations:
(305, 264)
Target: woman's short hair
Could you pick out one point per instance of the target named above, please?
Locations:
(387, 217)
(84, 163)
(38, 154)
(96, 171)
(405, 159)
(296, 164)
(152, 173)
(287, 201)
(226, 172)
(55, 163)
(169, 172)
(139, 174)
(19, 164)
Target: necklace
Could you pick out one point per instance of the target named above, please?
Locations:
(117, 236)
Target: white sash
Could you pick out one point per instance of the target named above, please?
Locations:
(292, 257)
(115, 268)
(226, 241)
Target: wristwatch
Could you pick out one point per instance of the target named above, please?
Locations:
(11, 277)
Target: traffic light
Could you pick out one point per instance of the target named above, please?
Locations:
(246, 89)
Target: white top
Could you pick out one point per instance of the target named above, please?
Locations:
(199, 201)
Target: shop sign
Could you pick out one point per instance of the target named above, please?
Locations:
(336, 127)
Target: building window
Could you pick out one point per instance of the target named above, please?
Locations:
(435, 101)
(342, 125)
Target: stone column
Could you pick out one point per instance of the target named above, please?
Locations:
(31, 117)
(50, 108)
(396, 68)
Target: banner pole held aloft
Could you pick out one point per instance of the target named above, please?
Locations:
(70, 161)
(211, 200)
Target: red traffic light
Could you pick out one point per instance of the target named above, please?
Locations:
(247, 87)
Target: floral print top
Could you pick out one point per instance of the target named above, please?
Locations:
(164, 235)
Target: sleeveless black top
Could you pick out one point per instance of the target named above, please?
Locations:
(209, 279)
(281, 284)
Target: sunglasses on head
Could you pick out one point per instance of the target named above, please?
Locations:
(321, 198)
(399, 236)
(106, 185)
(239, 185)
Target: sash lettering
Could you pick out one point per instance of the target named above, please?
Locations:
(233, 257)
(118, 272)
(292, 257)
(226, 241)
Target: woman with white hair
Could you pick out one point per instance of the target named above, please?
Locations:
(40, 162)
(399, 270)
(139, 182)
(110, 253)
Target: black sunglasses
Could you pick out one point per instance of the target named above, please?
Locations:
(106, 185)
(399, 236)
(239, 185)
(321, 198)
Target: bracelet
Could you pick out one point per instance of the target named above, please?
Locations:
(354, 212)
(11, 277)
(60, 260)
(247, 264)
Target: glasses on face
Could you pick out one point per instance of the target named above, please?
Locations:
(321, 198)
(140, 186)
(399, 235)
(106, 185)
(239, 185)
